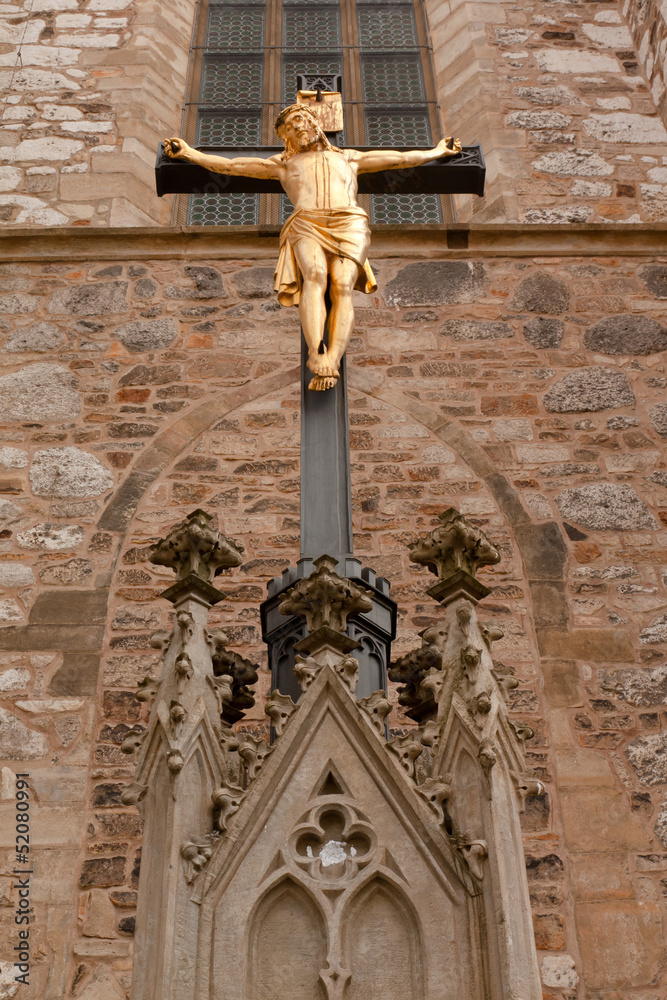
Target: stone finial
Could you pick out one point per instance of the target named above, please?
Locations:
(325, 599)
(196, 550)
(453, 552)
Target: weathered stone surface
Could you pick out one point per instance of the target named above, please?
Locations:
(8, 985)
(543, 293)
(9, 511)
(655, 632)
(661, 825)
(15, 574)
(99, 917)
(68, 472)
(587, 390)
(138, 617)
(80, 607)
(475, 329)
(255, 282)
(13, 458)
(98, 299)
(17, 302)
(207, 282)
(39, 337)
(77, 675)
(39, 392)
(151, 375)
(655, 278)
(538, 119)
(544, 332)
(648, 756)
(146, 335)
(14, 679)
(435, 283)
(548, 96)
(626, 334)
(558, 970)
(74, 571)
(51, 537)
(574, 163)
(10, 611)
(637, 686)
(605, 506)
(623, 127)
(658, 477)
(17, 741)
(658, 416)
(102, 872)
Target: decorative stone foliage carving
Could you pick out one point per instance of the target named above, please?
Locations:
(377, 707)
(325, 599)
(226, 801)
(196, 547)
(453, 552)
(240, 671)
(279, 708)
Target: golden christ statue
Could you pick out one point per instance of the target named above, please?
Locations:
(327, 237)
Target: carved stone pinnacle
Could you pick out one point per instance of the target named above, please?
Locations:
(325, 599)
(196, 551)
(453, 552)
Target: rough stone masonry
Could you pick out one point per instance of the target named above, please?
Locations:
(526, 391)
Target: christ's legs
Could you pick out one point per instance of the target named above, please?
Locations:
(312, 263)
(344, 273)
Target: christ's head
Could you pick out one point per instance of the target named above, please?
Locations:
(300, 130)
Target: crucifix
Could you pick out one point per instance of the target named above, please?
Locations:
(323, 258)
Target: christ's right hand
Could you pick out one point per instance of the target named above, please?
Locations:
(178, 149)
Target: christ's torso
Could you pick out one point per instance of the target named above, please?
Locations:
(320, 179)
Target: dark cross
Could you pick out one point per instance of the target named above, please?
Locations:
(326, 503)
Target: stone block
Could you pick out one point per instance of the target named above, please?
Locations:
(435, 283)
(629, 334)
(77, 675)
(597, 876)
(620, 943)
(40, 392)
(561, 683)
(606, 507)
(59, 785)
(542, 293)
(543, 551)
(18, 741)
(97, 299)
(596, 644)
(598, 820)
(68, 472)
(587, 390)
(102, 872)
(74, 607)
(99, 917)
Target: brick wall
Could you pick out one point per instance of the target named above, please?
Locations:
(528, 391)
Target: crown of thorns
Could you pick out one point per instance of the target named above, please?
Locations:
(286, 112)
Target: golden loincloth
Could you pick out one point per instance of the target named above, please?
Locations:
(341, 231)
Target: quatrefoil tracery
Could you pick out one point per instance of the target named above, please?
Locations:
(332, 841)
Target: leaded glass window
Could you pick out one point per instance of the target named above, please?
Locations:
(247, 56)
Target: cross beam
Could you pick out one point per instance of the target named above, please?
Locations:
(463, 174)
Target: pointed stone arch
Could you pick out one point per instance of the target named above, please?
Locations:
(285, 915)
(382, 942)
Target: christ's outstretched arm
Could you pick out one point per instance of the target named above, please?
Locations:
(389, 159)
(241, 166)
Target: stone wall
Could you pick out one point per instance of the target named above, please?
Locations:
(648, 23)
(145, 378)
(89, 88)
(560, 100)
(555, 92)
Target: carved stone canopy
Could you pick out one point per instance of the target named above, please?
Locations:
(196, 547)
(325, 599)
(453, 552)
